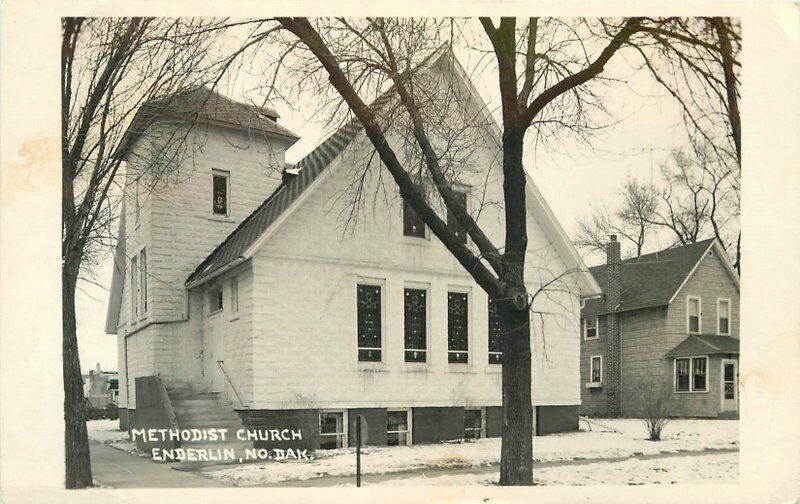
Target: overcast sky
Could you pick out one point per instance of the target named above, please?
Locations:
(574, 178)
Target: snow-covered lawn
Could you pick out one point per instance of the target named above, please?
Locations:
(105, 431)
(601, 442)
(717, 468)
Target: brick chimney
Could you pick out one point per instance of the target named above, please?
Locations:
(613, 290)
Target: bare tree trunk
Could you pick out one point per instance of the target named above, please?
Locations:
(76, 441)
(516, 452)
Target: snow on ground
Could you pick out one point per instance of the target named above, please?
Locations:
(717, 468)
(105, 431)
(607, 439)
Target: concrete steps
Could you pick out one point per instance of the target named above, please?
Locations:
(203, 410)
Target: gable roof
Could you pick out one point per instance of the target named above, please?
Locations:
(705, 344)
(204, 105)
(651, 279)
(239, 245)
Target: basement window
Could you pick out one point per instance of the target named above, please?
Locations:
(332, 430)
(474, 423)
(398, 428)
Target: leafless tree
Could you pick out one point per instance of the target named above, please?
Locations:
(633, 221)
(110, 67)
(550, 75)
(700, 198)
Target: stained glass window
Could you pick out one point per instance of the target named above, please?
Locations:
(369, 322)
(220, 195)
(457, 327)
(416, 322)
(495, 335)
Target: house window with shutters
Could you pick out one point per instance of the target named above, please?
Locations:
(452, 222)
(457, 327)
(221, 192)
(495, 335)
(416, 324)
(413, 225)
(368, 301)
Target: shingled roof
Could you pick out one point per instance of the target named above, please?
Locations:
(203, 105)
(705, 344)
(649, 280)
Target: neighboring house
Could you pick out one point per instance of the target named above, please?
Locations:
(240, 289)
(101, 387)
(668, 322)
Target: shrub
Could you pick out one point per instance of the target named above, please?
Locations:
(656, 404)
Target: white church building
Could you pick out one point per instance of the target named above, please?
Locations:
(244, 291)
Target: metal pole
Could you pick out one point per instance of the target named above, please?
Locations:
(358, 451)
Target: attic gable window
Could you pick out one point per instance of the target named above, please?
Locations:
(220, 192)
(452, 222)
(413, 225)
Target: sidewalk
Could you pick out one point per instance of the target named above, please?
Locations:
(114, 468)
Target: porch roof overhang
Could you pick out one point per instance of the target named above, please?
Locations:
(701, 344)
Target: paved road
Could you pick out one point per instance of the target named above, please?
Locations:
(433, 471)
(117, 469)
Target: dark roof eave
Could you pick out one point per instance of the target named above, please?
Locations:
(130, 136)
